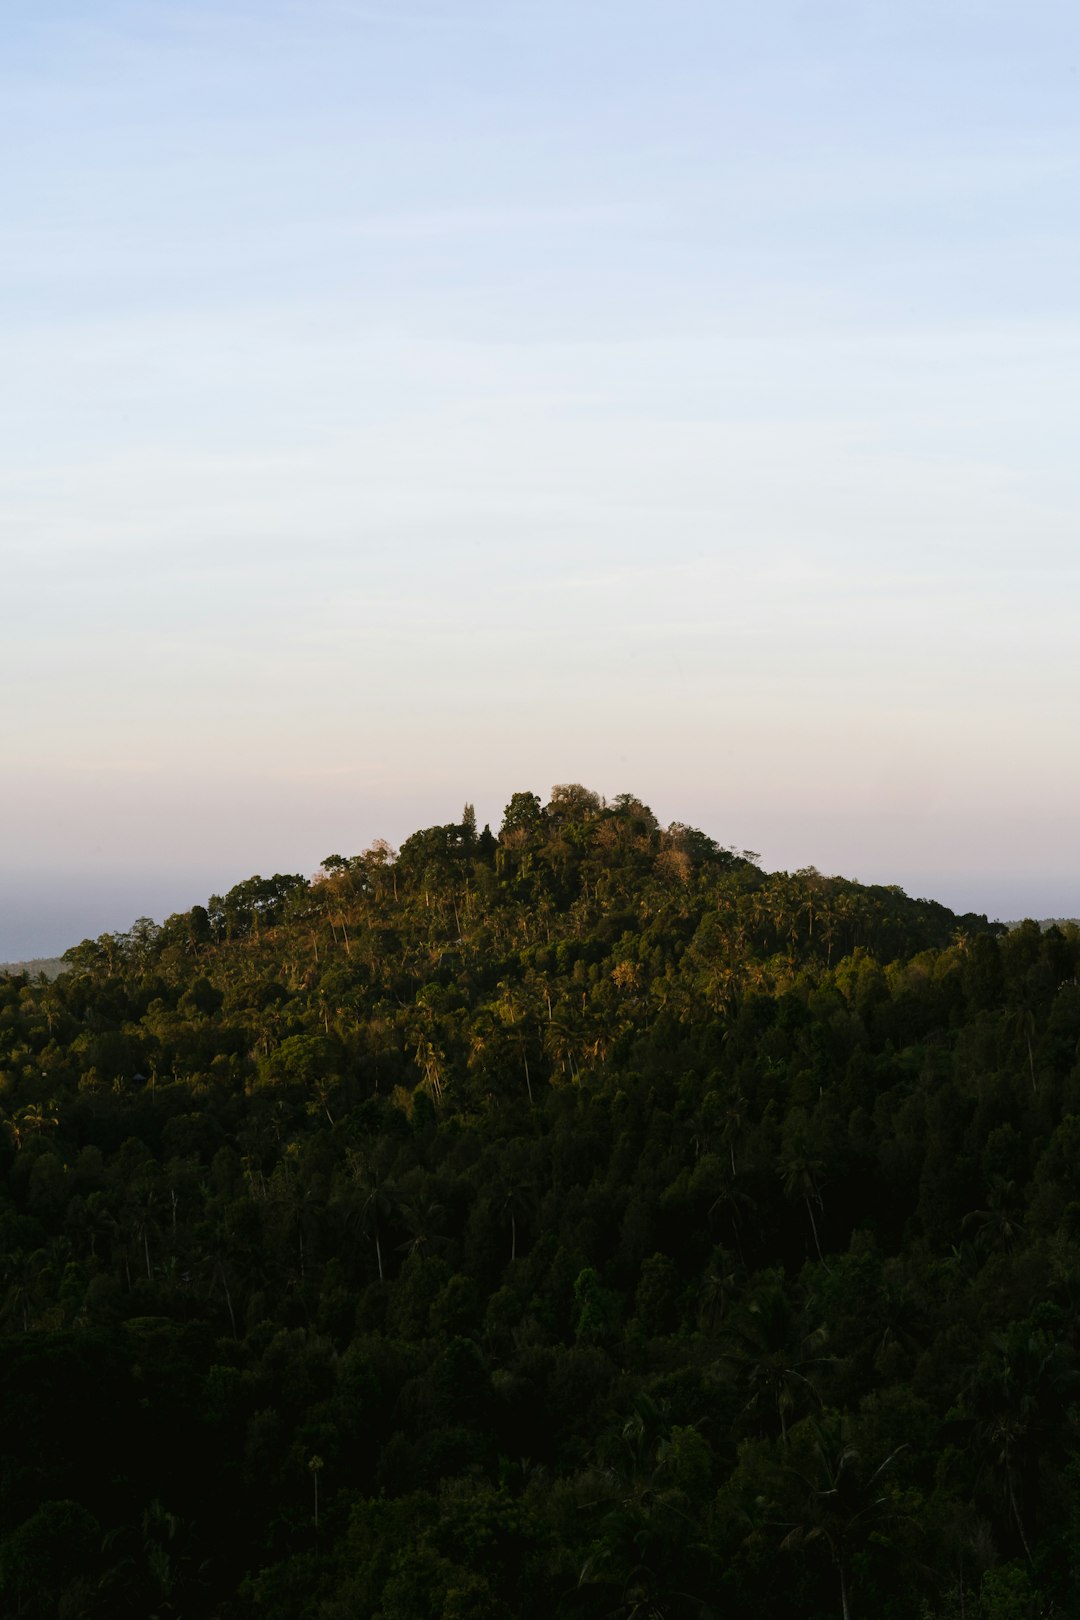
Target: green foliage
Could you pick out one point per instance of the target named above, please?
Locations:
(48, 1563)
(620, 1229)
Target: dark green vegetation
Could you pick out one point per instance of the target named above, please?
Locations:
(572, 1224)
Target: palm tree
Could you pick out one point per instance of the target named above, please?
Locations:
(143, 1195)
(422, 1219)
(801, 1174)
(431, 1060)
(717, 1283)
(34, 1119)
(645, 1544)
(1020, 1402)
(734, 1117)
(376, 1200)
(738, 1204)
(18, 1275)
(997, 1226)
(845, 1502)
(518, 1010)
(1020, 1027)
(515, 1195)
(561, 1041)
(774, 1355)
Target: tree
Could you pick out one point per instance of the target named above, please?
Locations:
(801, 1171)
(522, 815)
(571, 802)
(376, 1199)
(845, 1501)
(775, 1352)
(47, 1565)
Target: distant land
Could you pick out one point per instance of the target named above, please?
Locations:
(51, 966)
(1048, 922)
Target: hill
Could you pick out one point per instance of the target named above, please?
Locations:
(573, 1222)
(50, 966)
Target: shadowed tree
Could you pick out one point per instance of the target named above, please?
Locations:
(375, 1200)
(1021, 1399)
(802, 1170)
(846, 1501)
(775, 1354)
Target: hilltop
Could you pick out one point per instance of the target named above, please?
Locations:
(573, 1220)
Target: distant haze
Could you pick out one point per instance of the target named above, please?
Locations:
(45, 918)
(412, 404)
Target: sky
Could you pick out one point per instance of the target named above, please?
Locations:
(407, 402)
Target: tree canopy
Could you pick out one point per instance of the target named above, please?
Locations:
(572, 1222)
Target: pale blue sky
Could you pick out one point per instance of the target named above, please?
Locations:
(406, 403)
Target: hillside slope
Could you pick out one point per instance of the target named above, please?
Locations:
(576, 1222)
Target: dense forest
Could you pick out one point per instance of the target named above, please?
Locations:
(570, 1222)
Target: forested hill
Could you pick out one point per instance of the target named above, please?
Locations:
(567, 1223)
(50, 966)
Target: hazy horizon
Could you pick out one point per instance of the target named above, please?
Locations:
(82, 904)
(413, 405)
